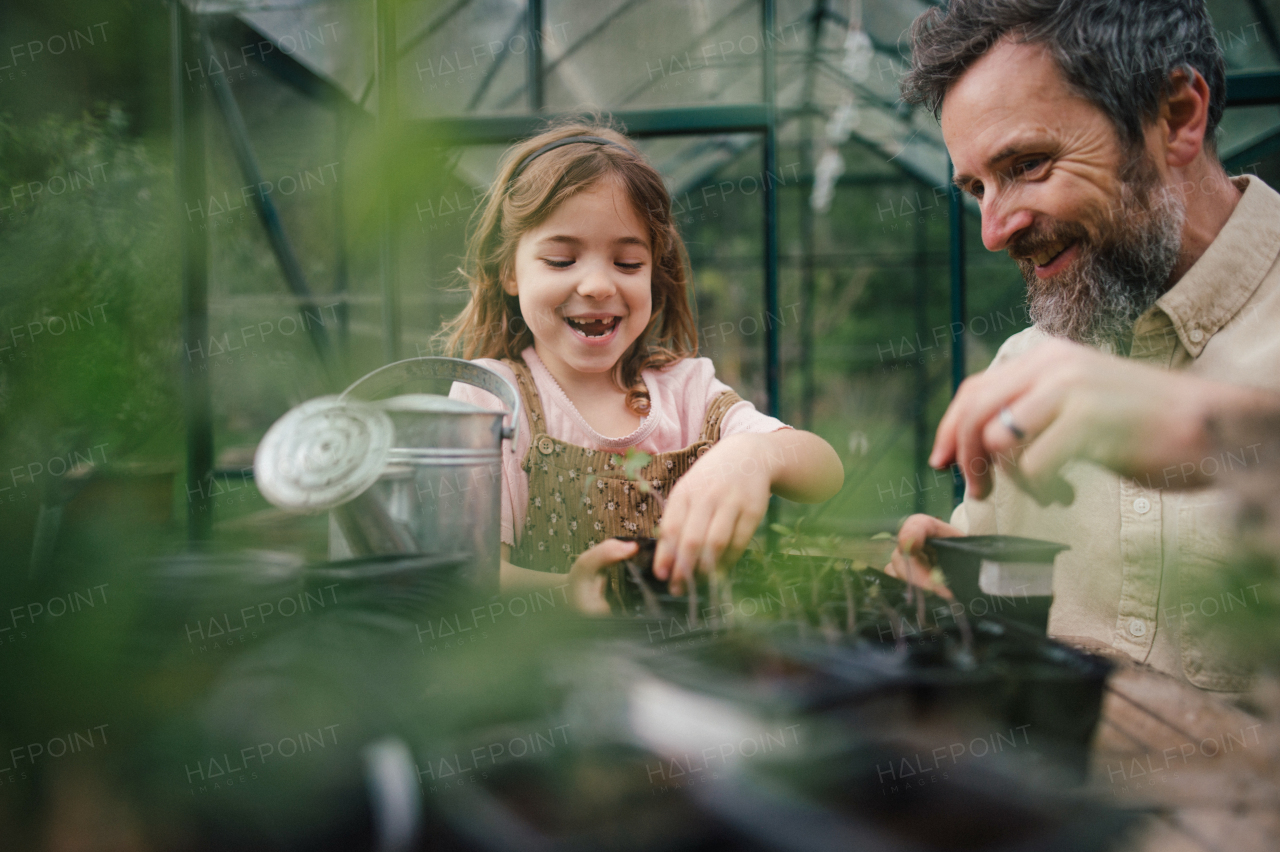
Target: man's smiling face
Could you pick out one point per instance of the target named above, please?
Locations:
(1089, 223)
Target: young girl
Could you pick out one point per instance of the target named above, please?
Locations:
(578, 285)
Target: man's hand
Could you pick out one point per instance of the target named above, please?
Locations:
(1072, 402)
(909, 561)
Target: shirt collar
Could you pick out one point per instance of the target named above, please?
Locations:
(648, 423)
(1215, 288)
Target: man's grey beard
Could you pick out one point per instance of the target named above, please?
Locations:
(1117, 277)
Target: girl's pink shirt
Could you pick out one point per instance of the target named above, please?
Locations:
(678, 396)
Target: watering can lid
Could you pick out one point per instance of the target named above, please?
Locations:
(322, 453)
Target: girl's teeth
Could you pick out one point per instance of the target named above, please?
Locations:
(592, 327)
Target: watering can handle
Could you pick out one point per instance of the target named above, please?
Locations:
(376, 384)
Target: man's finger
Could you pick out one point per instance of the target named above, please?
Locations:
(971, 454)
(978, 401)
(916, 572)
(944, 442)
(1057, 445)
(917, 529)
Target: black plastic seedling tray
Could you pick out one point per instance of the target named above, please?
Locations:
(572, 800)
(1007, 678)
(855, 798)
(961, 560)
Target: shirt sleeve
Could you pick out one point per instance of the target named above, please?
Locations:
(515, 482)
(742, 417)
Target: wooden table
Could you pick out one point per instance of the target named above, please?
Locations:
(1208, 770)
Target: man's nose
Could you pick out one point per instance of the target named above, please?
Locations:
(1000, 222)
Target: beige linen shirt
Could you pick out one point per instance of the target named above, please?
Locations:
(1135, 576)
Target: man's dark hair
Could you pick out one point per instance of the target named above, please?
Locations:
(1117, 54)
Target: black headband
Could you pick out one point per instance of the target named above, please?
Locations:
(551, 146)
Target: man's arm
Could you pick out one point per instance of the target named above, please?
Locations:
(1072, 402)
(1065, 401)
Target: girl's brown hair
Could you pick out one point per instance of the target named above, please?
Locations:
(491, 325)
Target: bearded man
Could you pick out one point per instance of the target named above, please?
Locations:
(1085, 129)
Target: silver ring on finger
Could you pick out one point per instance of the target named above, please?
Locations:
(1006, 417)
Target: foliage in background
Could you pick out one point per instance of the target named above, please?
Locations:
(89, 299)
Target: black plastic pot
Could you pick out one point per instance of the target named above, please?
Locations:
(1014, 677)
(961, 562)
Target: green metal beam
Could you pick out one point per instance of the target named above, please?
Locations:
(385, 61)
(189, 173)
(673, 121)
(1258, 89)
(1253, 152)
(769, 93)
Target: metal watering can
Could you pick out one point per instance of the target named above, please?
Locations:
(414, 473)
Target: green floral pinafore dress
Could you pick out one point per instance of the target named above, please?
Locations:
(578, 497)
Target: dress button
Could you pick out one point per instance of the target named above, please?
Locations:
(1138, 627)
(1142, 505)
(1196, 334)
(546, 445)
(702, 451)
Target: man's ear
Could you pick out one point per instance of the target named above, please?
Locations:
(1184, 117)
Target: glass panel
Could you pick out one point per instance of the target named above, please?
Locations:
(261, 354)
(438, 209)
(717, 187)
(707, 51)
(460, 59)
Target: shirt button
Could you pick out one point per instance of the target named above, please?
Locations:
(1138, 627)
(546, 445)
(1142, 505)
(1196, 334)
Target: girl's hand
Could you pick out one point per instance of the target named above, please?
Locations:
(714, 509)
(586, 577)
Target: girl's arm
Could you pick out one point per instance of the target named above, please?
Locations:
(512, 579)
(716, 507)
(803, 467)
(585, 579)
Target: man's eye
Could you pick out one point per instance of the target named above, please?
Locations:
(1027, 167)
(975, 189)
(557, 263)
